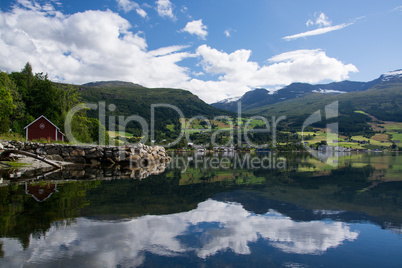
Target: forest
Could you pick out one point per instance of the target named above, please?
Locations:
(25, 96)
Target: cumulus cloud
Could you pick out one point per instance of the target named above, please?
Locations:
(101, 45)
(196, 27)
(165, 9)
(225, 227)
(83, 47)
(237, 73)
(128, 5)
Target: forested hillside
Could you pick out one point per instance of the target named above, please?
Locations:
(132, 99)
(24, 96)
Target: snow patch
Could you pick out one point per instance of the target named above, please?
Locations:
(231, 99)
(326, 91)
(390, 75)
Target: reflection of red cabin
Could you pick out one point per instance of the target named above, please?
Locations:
(40, 192)
(42, 128)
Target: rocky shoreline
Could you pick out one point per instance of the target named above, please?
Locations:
(135, 155)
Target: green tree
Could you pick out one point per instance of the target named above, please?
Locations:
(7, 109)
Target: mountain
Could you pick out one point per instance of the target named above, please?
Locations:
(383, 100)
(109, 84)
(132, 99)
(261, 97)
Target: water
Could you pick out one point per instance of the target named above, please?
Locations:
(298, 213)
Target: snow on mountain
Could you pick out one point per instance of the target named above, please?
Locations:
(391, 75)
(232, 99)
(326, 91)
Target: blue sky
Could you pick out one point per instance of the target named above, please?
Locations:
(214, 48)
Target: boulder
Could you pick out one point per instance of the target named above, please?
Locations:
(108, 161)
(93, 154)
(40, 151)
(53, 150)
(77, 152)
(55, 157)
(94, 162)
(75, 159)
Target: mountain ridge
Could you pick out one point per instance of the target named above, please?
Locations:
(261, 97)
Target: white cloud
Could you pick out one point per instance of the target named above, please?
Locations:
(126, 243)
(319, 19)
(228, 32)
(238, 74)
(324, 24)
(128, 6)
(141, 12)
(399, 8)
(196, 27)
(165, 9)
(322, 20)
(100, 45)
(84, 47)
(317, 31)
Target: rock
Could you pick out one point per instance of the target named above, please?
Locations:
(76, 159)
(40, 151)
(78, 173)
(90, 150)
(108, 153)
(108, 161)
(94, 162)
(134, 158)
(77, 152)
(93, 154)
(120, 155)
(53, 150)
(55, 157)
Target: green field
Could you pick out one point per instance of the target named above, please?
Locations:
(114, 134)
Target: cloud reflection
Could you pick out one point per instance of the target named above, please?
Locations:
(217, 226)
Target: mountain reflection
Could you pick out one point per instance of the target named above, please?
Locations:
(212, 227)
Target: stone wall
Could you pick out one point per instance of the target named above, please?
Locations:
(138, 155)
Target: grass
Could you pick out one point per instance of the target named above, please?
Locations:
(170, 127)
(12, 136)
(393, 126)
(380, 137)
(361, 112)
(21, 138)
(114, 134)
(16, 164)
(372, 141)
(396, 136)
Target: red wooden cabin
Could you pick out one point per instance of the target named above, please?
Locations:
(42, 128)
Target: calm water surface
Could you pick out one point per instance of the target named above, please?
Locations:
(293, 212)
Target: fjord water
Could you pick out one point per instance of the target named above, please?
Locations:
(294, 212)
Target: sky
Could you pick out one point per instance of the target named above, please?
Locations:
(216, 49)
